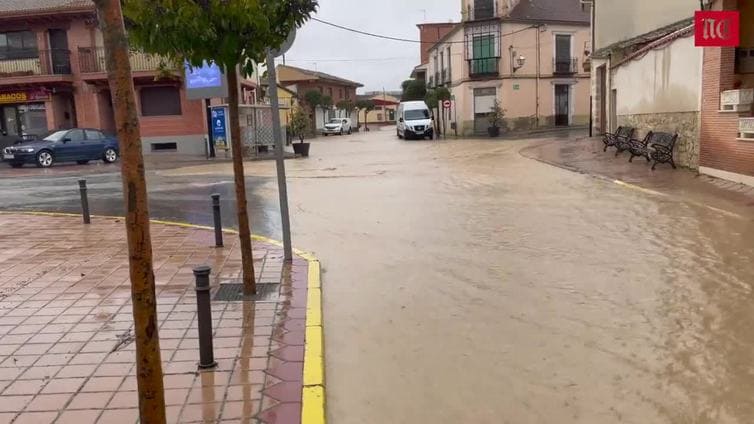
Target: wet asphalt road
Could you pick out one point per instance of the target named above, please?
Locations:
(465, 283)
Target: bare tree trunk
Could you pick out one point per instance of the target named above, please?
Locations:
(148, 362)
(244, 229)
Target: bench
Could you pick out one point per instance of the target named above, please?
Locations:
(640, 147)
(662, 149)
(612, 140)
(657, 146)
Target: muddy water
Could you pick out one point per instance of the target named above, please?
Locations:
(465, 283)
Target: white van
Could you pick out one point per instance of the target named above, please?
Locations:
(414, 121)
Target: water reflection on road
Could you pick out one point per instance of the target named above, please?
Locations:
(465, 283)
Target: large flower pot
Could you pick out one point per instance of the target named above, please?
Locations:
(493, 131)
(301, 149)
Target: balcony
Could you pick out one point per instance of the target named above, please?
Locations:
(92, 60)
(484, 67)
(565, 66)
(445, 76)
(481, 10)
(42, 62)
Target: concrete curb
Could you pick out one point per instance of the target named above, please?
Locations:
(313, 395)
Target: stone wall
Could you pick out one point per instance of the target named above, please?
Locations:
(686, 124)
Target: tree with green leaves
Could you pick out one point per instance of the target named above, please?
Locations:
(326, 104)
(233, 34)
(413, 90)
(345, 105)
(314, 98)
(436, 95)
(367, 106)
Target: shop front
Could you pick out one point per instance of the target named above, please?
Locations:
(23, 114)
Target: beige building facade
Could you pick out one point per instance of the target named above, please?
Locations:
(529, 56)
(646, 71)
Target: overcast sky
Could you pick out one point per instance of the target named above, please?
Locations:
(362, 58)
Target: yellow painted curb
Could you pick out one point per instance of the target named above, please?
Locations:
(313, 397)
(637, 188)
(313, 411)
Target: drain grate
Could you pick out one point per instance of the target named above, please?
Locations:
(233, 292)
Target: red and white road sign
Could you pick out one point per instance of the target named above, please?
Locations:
(446, 104)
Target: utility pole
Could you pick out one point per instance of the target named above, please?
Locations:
(141, 269)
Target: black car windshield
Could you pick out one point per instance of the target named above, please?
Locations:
(413, 115)
(336, 121)
(56, 136)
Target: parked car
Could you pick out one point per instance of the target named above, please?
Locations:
(79, 144)
(414, 121)
(9, 140)
(338, 126)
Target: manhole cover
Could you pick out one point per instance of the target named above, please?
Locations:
(233, 292)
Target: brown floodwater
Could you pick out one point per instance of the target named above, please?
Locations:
(464, 283)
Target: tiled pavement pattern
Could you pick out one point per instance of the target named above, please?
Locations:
(65, 321)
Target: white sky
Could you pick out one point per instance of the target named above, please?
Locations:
(353, 56)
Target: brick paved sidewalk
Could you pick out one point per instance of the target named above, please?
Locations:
(65, 321)
(586, 155)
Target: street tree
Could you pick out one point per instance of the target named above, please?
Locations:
(313, 98)
(413, 90)
(367, 106)
(233, 34)
(436, 95)
(345, 105)
(140, 261)
(327, 104)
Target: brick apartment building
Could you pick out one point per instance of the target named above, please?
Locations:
(727, 137)
(53, 76)
(301, 80)
(429, 34)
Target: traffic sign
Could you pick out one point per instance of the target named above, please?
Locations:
(446, 104)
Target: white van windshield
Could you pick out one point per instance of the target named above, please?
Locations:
(416, 114)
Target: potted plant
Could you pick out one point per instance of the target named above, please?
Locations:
(495, 117)
(299, 126)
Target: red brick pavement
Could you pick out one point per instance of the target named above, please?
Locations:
(65, 318)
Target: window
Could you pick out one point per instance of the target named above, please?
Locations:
(18, 45)
(449, 61)
(93, 135)
(160, 101)
(348, 94)
(563, 61)
(484, 60)
(75, 135)
(162, 147)
(340, 93)
(321, 90)
(329, 91)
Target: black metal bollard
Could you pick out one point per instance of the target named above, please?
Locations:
(218, 221)
(204, 317)
(84, 202)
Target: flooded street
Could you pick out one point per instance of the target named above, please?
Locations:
(465, 283)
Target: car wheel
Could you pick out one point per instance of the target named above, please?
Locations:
(45, 159)
(16, 165)
(110, 155)
(325, 134)
(82, 162)
(341, 132)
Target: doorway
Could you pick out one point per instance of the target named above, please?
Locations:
(602, 99)
(484, 101)
(59, 54)
(613, 110)
(562, 104)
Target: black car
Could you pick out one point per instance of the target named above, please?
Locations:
(79, 145)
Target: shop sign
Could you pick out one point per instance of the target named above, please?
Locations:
(23, 96)
(717, 28)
